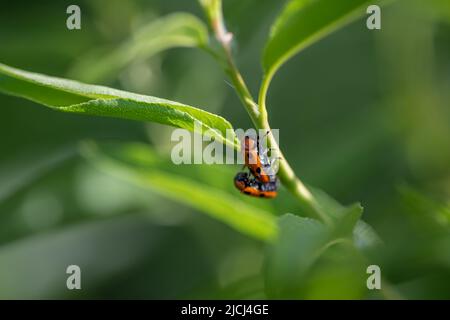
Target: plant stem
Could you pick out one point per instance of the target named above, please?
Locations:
(258, 114)
(288, 178)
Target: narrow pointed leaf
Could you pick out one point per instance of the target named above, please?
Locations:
(137, 164)
(76, 97)
(302, 23)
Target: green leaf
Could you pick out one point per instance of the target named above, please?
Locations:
(302, 247)
(300, 24)
(347, 220)
(306, 249)
(75, 97)
(294, 252)
(137, 164)
(174, 30)
(344, 217)
(364, 236)
(339, 273)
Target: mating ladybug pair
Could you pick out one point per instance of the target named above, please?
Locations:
(261, 181)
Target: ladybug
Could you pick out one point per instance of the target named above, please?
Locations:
(260, 182)
(258, 164)
(255, 188)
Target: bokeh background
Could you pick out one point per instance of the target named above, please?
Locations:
(363, 115)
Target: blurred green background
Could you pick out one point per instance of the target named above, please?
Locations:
(363, 115)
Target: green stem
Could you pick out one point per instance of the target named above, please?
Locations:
(242, 89)
(258, 114)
